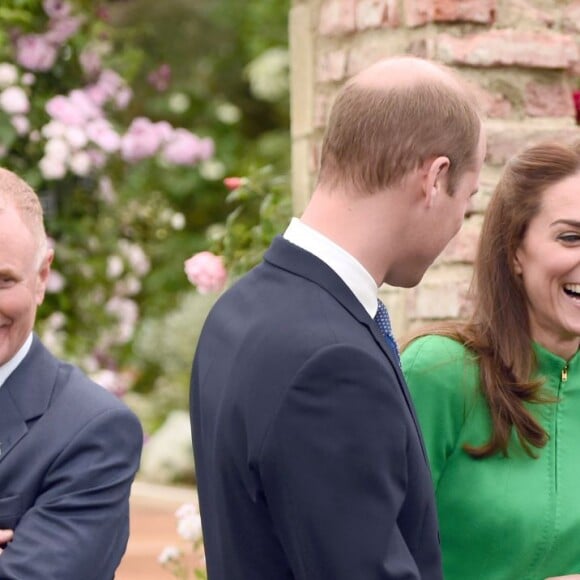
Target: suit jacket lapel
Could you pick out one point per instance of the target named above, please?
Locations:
(25, 395)
(290, 257)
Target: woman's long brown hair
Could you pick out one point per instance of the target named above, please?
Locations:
(498, 331)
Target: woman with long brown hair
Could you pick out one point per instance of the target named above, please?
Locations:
(498, 396)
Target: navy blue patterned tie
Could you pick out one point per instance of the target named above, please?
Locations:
(384, 323)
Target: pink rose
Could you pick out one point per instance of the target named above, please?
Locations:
(206, 271)
(56, 8)
(60, 31)
(141, 141)
(233, 182)
(90, 62)
(185, 148)
(74, 109)
(101, 133)
(160, 78)
(35, 52)
(182, 148)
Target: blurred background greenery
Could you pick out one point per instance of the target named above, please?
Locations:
(120, 304)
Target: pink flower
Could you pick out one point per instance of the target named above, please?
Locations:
(55, 283)
(56, 8)
(21, 124)
(160, 78)
(141, 141)
(206, 271)
(90, 62)
(183, 148)
(233, 182)
(60, 31)
(101, 133)
(35, 52)
(74, 109)
(109, 86)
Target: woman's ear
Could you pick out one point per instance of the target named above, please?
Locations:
(517, 265)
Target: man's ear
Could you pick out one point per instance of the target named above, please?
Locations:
(436, 178)
(43, 274)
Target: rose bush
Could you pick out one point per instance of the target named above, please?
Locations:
(68, 126)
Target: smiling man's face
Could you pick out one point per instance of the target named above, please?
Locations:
(23, 280)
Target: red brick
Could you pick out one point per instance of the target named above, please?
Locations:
(509, 47)
(505, 140)
(376, 14)
(516, 12)
(548, 100)
(438, 302)
(421, 12)
(364, 55)
(571, 17)
(492, 104)
(463, 246)
(322, 106)
(331, 66)
(337, 17)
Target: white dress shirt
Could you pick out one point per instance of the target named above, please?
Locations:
(9, 367)
(347, 267)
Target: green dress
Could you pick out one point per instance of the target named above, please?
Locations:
(513, 518)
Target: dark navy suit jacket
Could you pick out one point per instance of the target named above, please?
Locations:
(68, 453)
(309, 460)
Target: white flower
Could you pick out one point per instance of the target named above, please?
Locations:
(169, 554)
(80, 163)
(178, 103)
(56, 320)
(188, 523)
(21, 124)
(14, 101)
(137, 258)
(55, 283)
(228, 113)
(76, 136)
(28, 79)
(52, 168)
(268, 74)
(115, 267)
(54, 130)
(177, 221)
(57, 149)
(212, 170)
(8, 74)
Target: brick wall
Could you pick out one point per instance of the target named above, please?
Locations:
(522, 58)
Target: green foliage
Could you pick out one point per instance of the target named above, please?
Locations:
(123, 230)
(261, 210)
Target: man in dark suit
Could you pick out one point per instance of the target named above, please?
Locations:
(309, 460)
(69, 450)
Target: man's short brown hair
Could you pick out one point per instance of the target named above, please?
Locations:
(377, 135)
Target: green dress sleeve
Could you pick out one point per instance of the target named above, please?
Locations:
(442, 377)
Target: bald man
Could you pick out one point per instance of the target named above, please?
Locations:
(69, 450)
(309, 459)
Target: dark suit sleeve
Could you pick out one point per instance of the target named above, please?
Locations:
(334, 470)
(79, 525)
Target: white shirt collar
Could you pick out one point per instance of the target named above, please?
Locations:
(9, 367)
(347, 267)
